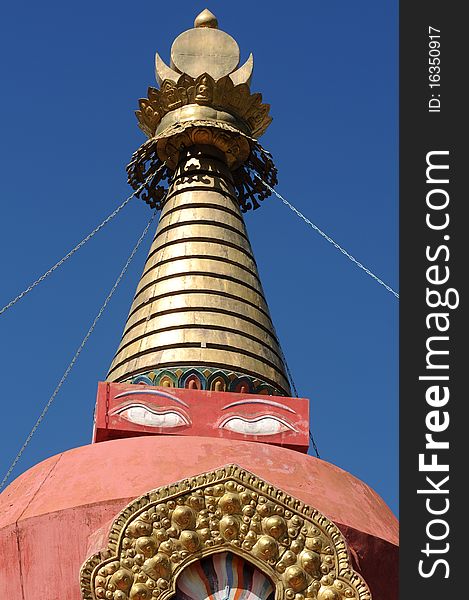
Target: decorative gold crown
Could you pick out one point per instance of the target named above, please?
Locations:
(204, 98)
(227, 510)
(251, 116)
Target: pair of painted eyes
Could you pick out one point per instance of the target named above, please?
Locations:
(264, 425)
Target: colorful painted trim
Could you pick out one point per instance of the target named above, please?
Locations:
(205, 378)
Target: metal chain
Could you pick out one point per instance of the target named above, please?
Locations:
(284, 358)
(313, 444)
(77, 354)
(292, 382)
(347, 254)
(290, 377)
(329, 239)
(78, 246)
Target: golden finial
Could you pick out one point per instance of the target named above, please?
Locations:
(206, 19)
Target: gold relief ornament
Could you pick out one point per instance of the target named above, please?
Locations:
(250, 114)
(159, 156)
(227, 510)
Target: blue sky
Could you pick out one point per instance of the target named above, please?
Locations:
(72, 75)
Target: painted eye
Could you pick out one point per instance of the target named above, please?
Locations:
(142, 415)
(258, 426)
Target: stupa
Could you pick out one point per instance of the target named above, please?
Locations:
(197, 482)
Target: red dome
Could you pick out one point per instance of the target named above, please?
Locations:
(56, 514)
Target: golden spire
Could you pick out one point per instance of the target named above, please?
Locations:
(199, 317)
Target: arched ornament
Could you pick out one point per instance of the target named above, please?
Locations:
(230, 509)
